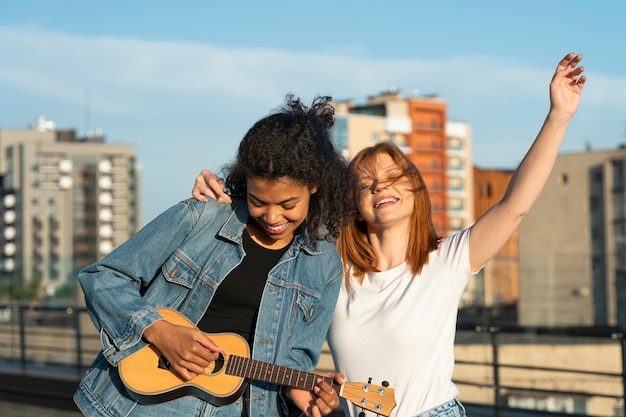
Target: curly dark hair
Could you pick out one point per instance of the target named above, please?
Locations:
(295, 143)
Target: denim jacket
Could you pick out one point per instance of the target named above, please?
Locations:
(177, 261)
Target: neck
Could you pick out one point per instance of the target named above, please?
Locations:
(390, 245)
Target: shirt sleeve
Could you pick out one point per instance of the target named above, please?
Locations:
(454, 251)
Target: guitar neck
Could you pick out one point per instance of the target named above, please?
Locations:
(267, 372)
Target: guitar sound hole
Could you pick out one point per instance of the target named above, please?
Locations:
(163, 363)
(218, 364)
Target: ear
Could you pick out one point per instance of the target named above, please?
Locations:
(359, 217)
(313, 189)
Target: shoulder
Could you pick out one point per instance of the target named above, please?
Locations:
(319, 259)
(330, 254)
(455, 240)
(213, 209)
(321, 249)
(327, 247)
(453, 250)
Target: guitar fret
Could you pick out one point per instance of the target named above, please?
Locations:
(258, 370)
(232, 367)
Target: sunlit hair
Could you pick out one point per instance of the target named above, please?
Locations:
(353, 244)
(295, 143)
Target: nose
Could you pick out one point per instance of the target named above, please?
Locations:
(272, 214)
(378, 186)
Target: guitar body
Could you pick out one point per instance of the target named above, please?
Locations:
(150, 382)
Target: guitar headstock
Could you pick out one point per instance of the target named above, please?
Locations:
(376, 398)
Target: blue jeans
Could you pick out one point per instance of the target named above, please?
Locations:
(452, 408)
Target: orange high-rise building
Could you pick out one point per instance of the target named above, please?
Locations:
(428, 143)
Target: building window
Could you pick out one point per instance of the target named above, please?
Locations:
(487, 190)
(619, 174)
(455, 183)
(455, 142)
(457, 223)
(619, 206)
(597, 177)
(339, 134)
(455, 163)
(7, 179)
(456, 203)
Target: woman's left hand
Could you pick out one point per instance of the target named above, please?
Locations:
(567, 84)
(319, 402)
(209, 185)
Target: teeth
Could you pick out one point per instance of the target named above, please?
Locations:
(276, 228)
(383, 201)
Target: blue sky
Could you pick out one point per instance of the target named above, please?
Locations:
(183, 81)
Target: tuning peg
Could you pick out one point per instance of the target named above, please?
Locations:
(362, 414)
(385, 383)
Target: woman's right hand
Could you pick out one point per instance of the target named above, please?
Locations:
(188, 350)
(210, 185)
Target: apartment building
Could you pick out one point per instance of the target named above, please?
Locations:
(572, 244)
(66, 202)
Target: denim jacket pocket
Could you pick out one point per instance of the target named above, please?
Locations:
(180, 275)
(179, 269)
(307, 328)
(306, 302)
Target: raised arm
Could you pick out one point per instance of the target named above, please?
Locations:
(493, 229)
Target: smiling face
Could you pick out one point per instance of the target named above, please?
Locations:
(277, 208)
(386, 196)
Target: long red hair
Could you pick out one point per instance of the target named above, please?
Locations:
(353, 245)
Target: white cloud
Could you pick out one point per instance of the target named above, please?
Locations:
(173, 82)
(63, 66)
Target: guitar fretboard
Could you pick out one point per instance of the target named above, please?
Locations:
(267, 372)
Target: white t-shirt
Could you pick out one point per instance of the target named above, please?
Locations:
(400, 328)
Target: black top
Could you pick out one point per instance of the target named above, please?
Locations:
(236, 301)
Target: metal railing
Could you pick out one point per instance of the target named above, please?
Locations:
(58, 341)
(500, 370)
(564, 371)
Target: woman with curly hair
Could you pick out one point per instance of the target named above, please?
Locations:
(262, 267)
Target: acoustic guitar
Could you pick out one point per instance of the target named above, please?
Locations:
(148, 379)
